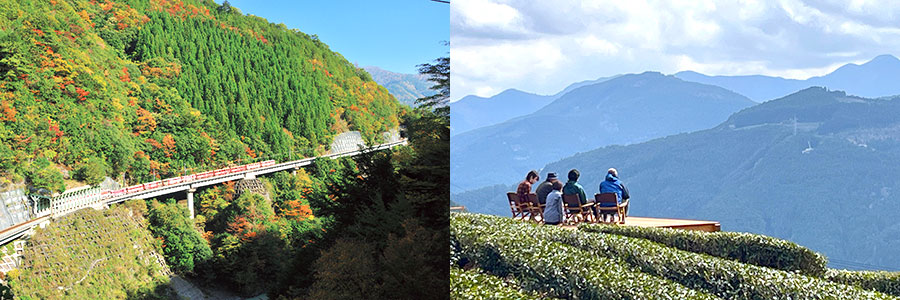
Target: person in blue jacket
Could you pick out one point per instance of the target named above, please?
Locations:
(612, 184)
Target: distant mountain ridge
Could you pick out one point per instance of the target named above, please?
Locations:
(817, 167)
(628, 109)
(472, 112)
(875, 78)
(405, 87)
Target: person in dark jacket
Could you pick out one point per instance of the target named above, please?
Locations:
(545, 187)
(574, 188)
(612, 184)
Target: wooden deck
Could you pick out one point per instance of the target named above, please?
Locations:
(457, 209)
(709, 226)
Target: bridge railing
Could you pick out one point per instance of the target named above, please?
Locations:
(69, 202)
(260, 167)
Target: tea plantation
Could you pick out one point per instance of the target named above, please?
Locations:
(495, 257)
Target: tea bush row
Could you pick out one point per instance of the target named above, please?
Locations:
(885, 282)
(748, 248)
(561, 270)
(722, 277)
(474, 285)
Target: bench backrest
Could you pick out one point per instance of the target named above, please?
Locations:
(513, 198)
(612, 198)
(571, 200)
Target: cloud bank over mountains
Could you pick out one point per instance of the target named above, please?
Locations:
(542, 46)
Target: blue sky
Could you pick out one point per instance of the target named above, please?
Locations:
(543, 46)
(395, 35)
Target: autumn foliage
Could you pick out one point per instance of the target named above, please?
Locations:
(177, 81)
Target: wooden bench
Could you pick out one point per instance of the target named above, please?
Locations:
(616, 209)
(537, 209)
(574, 209)
(518, 209)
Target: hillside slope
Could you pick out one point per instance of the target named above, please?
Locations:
(149, 88)
(817, 167)
(91, 254)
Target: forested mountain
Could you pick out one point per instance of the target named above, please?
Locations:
(405, 87)
(627, 109)
(473, 112)
(873, 79)
(150, 88)
(816, 167)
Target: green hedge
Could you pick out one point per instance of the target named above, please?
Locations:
(722, 277)
(885, 282)
(474, 285)
(748, 248)
(560, 270)
(454, 250)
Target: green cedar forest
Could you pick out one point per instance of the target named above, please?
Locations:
(145, 89)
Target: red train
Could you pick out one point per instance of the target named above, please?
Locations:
(187, 178)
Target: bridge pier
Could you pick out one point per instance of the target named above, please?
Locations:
(190, 198)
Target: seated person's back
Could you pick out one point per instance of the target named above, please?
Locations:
(574, 188)
(553, 213)
(524, 187)
(545, 187)
(612, 185)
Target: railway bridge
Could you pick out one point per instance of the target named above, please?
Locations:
(100, 198)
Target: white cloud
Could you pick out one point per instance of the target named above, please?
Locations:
(593, 45)
(482, 13)
(481, 66)
(543, 46)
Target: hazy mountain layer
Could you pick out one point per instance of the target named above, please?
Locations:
(628, 109)
(473, 112)
(405, 87)
(876, 78)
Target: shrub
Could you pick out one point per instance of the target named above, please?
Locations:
(748, 248)
(885, 282)
(92, 171)
(722, 277)
(345, 271)
(474, 285)
(43, 175)
(183, 246)
(561, 270)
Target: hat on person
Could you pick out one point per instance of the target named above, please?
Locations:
(551, 176)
